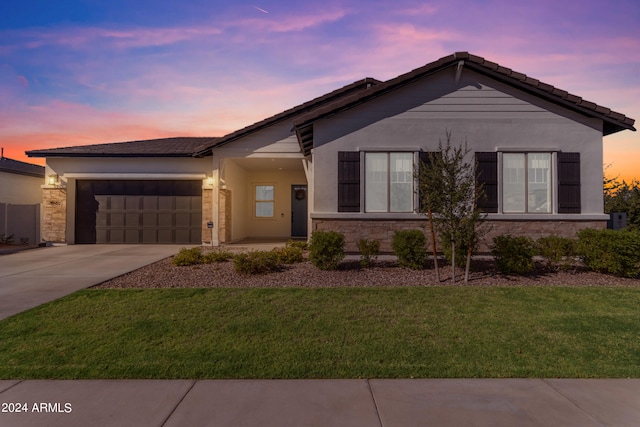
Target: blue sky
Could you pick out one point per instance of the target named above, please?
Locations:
(85, 72)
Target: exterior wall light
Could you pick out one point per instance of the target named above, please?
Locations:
(210, 180)
(53, 179)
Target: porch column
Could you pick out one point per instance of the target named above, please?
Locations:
(54, 213)
(215, 215)
(308, 171)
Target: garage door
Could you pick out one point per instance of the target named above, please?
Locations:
(138, 211)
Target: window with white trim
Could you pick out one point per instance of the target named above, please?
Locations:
(526, 183)
(388, 182)
(264, 201)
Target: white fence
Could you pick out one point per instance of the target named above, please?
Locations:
(21, 221)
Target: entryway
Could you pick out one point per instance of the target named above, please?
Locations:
(299, 203)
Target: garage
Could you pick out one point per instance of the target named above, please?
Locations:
(138, 211)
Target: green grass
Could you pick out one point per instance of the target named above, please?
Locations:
(432, 332)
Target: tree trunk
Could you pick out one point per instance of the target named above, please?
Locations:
(468, 266)
(433, 244)
(453, 261)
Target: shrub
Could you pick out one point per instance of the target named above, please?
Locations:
(610, 252)
(513, 255)
(301, 244)
(289, 254)
(558, 252)
(409, 247)
(216, 256)
(461, 252)
(6, 240)
(326, 249)
(369, 250)
(256, 262)
(187, 257)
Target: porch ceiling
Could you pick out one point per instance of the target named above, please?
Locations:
(268, 164)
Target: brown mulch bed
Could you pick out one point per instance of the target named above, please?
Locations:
(164, 274)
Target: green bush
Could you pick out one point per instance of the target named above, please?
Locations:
(326, 249)
(301, 244)
(256, 262)
(610, 252)
(513, 255)
(461, 252)
(289, 254)
(410, 248)
(558, 252)
(216, 256)
(369, 250)
(187, 257)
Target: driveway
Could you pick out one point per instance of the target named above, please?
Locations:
(33, 277)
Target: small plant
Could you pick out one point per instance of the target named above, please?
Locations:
(216, 256)
(513, 254)
(369, 250)
(187, 257)
(256, 262)
(6, 240)
(558, 252)
(610, 252)
(289, 254)
(326, 249)
(301, 244)
(410, 248)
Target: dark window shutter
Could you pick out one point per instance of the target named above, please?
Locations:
(569, 183)
(487, 173)
(348, 181)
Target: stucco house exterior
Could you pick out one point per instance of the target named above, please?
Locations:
(344, 162)
(20, 198)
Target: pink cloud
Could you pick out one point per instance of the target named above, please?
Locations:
(23, 81)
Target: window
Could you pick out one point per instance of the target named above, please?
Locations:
(388, 182)
(264, 201)
(526, 182)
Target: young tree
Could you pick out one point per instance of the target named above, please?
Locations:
(448, 187)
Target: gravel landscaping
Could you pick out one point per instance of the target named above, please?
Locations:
(385, 272)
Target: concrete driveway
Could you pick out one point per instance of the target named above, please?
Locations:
(33, 277)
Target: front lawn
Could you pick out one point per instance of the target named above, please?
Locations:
(400, 332)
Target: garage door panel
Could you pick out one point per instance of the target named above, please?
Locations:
(183, 203)
(149, 235)
(149, 219)
(128, 211)
(116, 235)
(166, 203)
(132, 220)
(132, 203)
(116, 203)
(165, 236)
(150, 203)
(132, 235)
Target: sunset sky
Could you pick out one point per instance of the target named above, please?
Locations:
(86, 72)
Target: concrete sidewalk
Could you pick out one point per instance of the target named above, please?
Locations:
(33, 277)
(344, 403)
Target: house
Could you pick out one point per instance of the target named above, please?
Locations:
(344, 162)
(20, 197)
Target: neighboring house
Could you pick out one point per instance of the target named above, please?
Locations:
(345, 162)
(20, 198)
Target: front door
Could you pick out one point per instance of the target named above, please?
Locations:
(299, 211)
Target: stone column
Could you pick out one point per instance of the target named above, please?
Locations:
(54, 214)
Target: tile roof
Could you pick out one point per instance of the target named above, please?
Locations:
(162, 147)
(356, 87)
(613, 121)
(20, 168)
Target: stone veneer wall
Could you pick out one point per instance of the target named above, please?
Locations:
(224, 214)
(54, 215)
(382, 230)
(207, 210)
